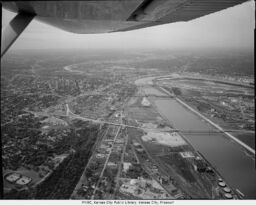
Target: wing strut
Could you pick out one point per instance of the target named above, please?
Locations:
(14, 29)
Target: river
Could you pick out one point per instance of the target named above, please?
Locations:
(227, 156)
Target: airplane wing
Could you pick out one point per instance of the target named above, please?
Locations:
(103, 16)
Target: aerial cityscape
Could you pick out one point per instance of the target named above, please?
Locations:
(125, 124)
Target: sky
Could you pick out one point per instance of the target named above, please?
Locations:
(228, 29)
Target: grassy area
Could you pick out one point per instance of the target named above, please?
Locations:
(175, 160)
(61, 183)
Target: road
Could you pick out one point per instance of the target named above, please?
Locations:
(105, 164)
(120, 164)
(88, 163)
(70, 114)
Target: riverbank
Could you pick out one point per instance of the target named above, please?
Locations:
(210, 122)
(221, 151)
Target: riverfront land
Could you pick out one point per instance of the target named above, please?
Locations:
(227, 103)
(87, 125)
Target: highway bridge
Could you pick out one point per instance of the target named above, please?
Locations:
(70, 114)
